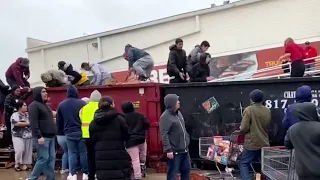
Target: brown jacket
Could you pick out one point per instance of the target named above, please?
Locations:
(255, 124)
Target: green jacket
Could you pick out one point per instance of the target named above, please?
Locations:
(255, 124)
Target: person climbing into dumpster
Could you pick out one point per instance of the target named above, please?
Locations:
(109, 132)
(255, 124)
(10, 106)
(100, 75)
(309, 53)
(76, 78)
(68, 113)
(201, 71)
(139, 61)
(86, 115)
(18, 73)
(295, 54)
(303, 138)
(44, 130)
(177, 65)
(136, 146)
(175, 139)
(303, 94)
(194, 56)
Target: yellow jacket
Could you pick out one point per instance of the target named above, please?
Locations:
(86, 115)
(83, 79)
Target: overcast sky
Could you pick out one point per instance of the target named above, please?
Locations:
(56, 20)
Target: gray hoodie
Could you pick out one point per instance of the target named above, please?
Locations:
(304, 137)
(99, 73)
(172, 127)
(193, 58)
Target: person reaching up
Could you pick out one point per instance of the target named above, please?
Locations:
(76, 78)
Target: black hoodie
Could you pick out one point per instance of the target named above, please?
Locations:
(41, 117)
(137, 123)
(177, 61)
(109, 132)
(304, 138)
(200, 71)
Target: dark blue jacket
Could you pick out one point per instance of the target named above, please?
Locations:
(134, 54)
(68, 120)
(303, 94)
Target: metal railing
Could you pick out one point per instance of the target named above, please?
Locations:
(254, 75)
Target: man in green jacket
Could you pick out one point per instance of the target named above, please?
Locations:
(255, 124)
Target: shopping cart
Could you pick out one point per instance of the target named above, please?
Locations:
(278, 163)
(224, 150)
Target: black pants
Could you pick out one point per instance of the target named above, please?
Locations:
(12, 82)
(91, 159)
(177, 79)
(297, 68)
(8, 132)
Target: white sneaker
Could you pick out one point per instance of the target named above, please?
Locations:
(64, 171)
(70, 177)
(85, 176)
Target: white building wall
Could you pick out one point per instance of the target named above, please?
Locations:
(245, 28)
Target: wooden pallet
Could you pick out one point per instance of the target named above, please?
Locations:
(6, 158)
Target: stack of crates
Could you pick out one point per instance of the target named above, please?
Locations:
(6, 158)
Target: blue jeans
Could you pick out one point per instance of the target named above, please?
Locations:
(63, 144)
(179, 164)
(247, 158)
(76, 146)
(46, 157)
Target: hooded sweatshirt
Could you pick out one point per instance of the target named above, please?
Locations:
(99, 73)
(193, 58)
(176, 62)
(16, 71)
(134, 54)
(138, 125)
(304, 138)
(200, 71)
(68, 112)
(303, 94)
(172, 127)
(41, 117)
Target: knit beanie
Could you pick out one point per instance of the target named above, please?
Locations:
(256, 96)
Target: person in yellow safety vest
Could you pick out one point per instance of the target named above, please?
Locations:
(86, 115)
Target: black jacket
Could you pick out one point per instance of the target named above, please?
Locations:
(177, 61)
(304, 138)
(10, 104)
(41, 117)
(109, 132)
(69, 71)
(200, 71)
(4, 91)
(138, 124)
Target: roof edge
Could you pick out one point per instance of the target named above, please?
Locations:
(146, 24)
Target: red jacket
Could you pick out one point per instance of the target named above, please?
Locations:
(16, 71)
(310, 53)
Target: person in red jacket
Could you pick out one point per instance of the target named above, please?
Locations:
(295, 54)
(18, 73)
(310, 52)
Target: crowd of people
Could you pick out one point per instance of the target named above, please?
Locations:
(109, 144)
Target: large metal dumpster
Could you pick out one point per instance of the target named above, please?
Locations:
(227, 101)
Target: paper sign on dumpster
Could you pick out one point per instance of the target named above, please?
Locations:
(210, 105)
